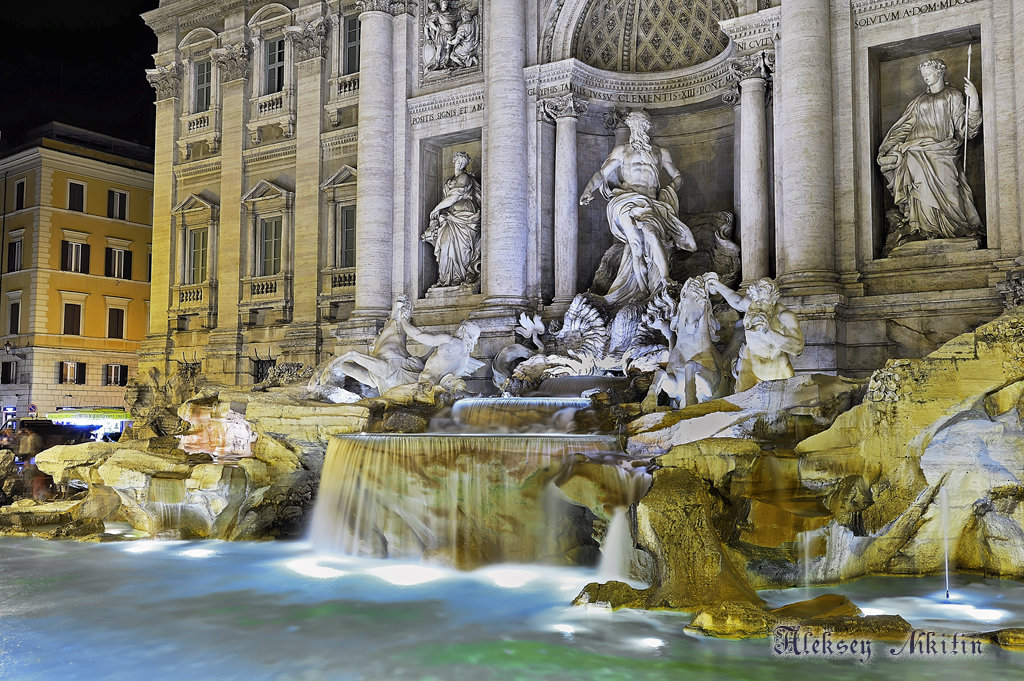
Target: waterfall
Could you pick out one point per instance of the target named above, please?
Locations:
(466, 500)
(617, 553)
(518, 414)
(944, 507)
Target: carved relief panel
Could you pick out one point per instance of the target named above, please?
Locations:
(450, 39)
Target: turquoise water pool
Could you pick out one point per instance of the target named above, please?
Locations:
(174, 610)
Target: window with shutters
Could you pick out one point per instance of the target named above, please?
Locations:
(72, 319)
(14, 318)
(9, 372)
(117, 204)
(118, 263)
(198, 246)
(14, 255)
(71, 372)
(74, 257)
(115, 323)
(203, 83)
(76, 196)
(346, 253)
(116, 374)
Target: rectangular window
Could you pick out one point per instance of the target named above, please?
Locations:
(14, 256)
(270, 244)
(198, 245)
(118, 263)
(351, 49)
(204, 85)
(117, 205)
(72, 319)
(116, 374)
(14, 318)
(9, 372)
(74, 257)
(76, 196)
(347, 237)
(115, 323)
(275, 66)
(19, 194)
(71, 372)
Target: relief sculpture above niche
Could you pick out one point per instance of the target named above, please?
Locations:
(450, 39)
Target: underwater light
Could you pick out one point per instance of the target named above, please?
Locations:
(566, 629)
(987, 615)
(653, 643)
(198, 553)
(407, 575)
(511, 578)
(309, 567)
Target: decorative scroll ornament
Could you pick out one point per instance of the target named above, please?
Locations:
(565, 106)
(309, 40)
(165, 80)
(233, 61)
(750, 66)
(393, 7)
(616, 118)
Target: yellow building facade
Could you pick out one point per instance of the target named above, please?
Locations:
(74, 300)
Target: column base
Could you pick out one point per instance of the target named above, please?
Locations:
(820, 319)
(808, 283)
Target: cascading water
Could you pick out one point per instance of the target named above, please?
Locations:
(617, 553)
(467, 499)
(518, 414)
(944, 507)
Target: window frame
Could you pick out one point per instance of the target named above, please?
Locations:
(277, 69)
(71, 372)
(351, 48)
(346, 236)
(115, 374)
(85, 193)
(14, 317)
(9, 372)
(64, 318)
(112, 205)
(278, 241)
(20, 194)
(113, 312)
(198, 269)
(202, 92)
(15, 255)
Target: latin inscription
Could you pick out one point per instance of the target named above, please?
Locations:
(679, 94)
(447, 113)
(895, 15)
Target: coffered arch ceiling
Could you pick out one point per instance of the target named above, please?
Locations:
(648, 36)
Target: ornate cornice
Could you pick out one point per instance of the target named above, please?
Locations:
(750, 66)
(566, 106)
(196, 168)
(271, 152)
(339, 144)
(872, 12)
(309, 40)
(165, 80)
(233, 60)
(753, 32)
(392, 7)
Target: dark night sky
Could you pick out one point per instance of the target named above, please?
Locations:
(80, 62)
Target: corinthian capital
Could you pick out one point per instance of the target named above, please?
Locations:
(392, 7)
(757, 65)
(309, 39)
(565, 106)
(233, 61)
(165, 80)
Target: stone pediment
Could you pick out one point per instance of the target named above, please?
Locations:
(265, 190)
(194, 203)
(346, 175)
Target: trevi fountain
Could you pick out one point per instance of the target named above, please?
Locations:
(708, 362)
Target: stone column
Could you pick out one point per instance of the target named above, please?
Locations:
(565, 110)
(806, 245)
(376, 161)
(180, 252)
(211, 252)
(752, 75)
(332, 234)
(505, 219)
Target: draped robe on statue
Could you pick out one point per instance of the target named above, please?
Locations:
(925, 176)
(644, 224)
(456, 236)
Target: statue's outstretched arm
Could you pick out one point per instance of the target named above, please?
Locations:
(431, 339)
(675, 177)
(735, 300)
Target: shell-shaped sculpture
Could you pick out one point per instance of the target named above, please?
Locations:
(584, 330)
(647, 36)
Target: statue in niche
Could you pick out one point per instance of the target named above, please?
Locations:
(641, 214)
(771, 332)
(451, 36)
(451, 358)
(454, 227)
(387, 365)
(920, 160)
(694, 369)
